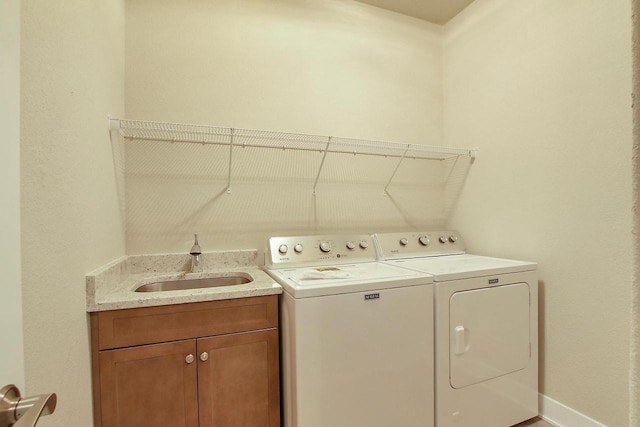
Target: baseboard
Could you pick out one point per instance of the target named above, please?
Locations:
(560, 415)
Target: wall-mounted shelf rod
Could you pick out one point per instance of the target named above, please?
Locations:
(198, 134)
(236, 137)
(471, 153)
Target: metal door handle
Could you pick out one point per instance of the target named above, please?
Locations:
(24, 412)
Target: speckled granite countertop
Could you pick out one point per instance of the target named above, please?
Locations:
(112, 286)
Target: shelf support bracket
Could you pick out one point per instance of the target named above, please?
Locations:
(324, 156)
(230, 161)
(396, 169)
(473, 154)
(114, 124)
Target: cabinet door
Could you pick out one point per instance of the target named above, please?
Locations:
(238, 382)
(152, 385)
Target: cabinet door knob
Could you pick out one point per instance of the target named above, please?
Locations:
(189, 358)
(204, 356)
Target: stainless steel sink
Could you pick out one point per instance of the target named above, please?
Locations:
(209, 282)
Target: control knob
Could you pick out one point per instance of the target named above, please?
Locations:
(424, 240)
(351, 245)
(443, 239)
(453, 239)
(297, 248)
(283, 249)
(404, 241)
(364, 244)
(325, 247)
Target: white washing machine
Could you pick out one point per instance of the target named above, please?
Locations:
(356, 335)
(486, 328)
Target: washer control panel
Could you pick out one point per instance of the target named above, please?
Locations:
(322, 249)
(413, 244)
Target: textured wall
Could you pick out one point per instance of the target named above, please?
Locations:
(327, 67)
(543, 88)
(72, 77)
(11, 357)
(634, 374)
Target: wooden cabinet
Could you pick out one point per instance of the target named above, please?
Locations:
(212, 364)
(237, 385)
(151, 385)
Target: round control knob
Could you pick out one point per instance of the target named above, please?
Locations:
(283, 249)
(404, 242)
(424, 240)
(453, 239)
(351, 245)
(443, 239)
(364, 244)
(298, 248)
(325, 247)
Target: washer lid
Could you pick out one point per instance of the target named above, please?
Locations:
(455, 267)
(340, 279)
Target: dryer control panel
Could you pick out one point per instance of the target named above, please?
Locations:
(412, 244)
(294, 251)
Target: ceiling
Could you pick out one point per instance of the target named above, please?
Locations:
(436, 11)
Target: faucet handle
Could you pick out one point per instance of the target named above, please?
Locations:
(195, 249)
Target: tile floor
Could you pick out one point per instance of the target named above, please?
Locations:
(536, 422)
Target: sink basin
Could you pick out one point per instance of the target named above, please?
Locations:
(209, 282)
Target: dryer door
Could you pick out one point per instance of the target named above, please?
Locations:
(488, 333)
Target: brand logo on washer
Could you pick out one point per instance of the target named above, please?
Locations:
(371, 296)
(493, 281)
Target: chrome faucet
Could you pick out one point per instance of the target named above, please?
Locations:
(196, 256)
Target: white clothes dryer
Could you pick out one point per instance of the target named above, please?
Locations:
(486, 328)
(356, 335)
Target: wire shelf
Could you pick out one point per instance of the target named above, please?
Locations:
(238, 137)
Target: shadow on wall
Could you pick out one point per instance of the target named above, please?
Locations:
(456, 170)
(168, 191)
(117, 150)
(541, 334)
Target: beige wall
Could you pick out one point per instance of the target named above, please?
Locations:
(11, 357)
(72, 77)
(326, 67)
(634, 374)
(543, 88)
